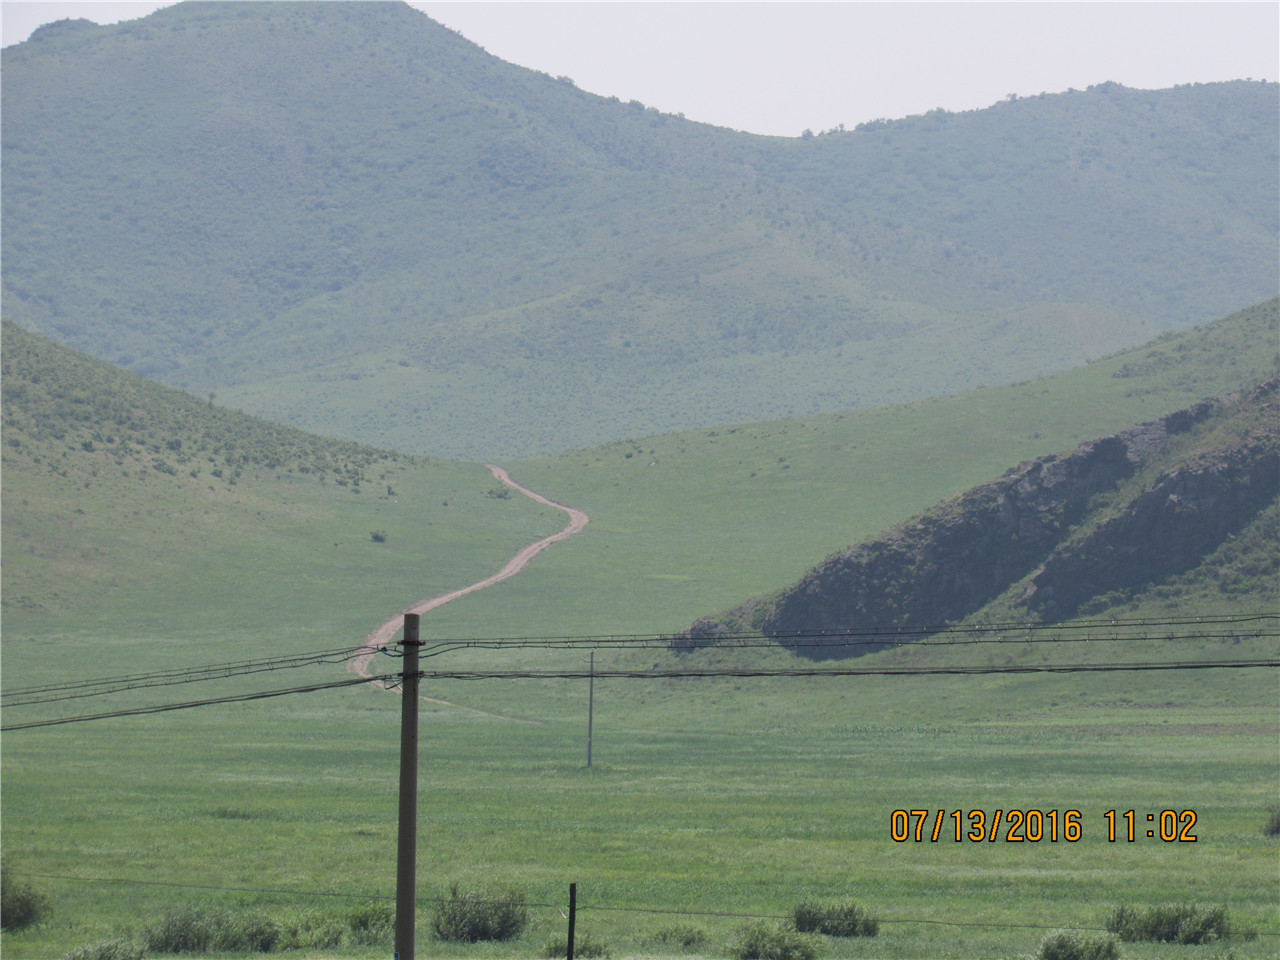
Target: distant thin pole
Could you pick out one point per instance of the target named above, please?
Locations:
(591, 705)
(407, 845)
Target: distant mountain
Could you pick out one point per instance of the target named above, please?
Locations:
(346, 217)
(1182, 511)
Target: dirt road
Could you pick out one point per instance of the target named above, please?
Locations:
(387, 632)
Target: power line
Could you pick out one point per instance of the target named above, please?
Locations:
(49, 693)
(668, 675)
(1229, 627)
(653, 674)
(235, 698)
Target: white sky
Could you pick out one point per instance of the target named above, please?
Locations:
(779, 68)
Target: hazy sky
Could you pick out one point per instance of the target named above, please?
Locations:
(780, 68)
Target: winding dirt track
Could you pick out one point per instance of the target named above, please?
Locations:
(387, 632)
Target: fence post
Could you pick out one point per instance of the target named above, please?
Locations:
(573, 915)
(407, 844)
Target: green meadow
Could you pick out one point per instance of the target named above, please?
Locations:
(709, 801)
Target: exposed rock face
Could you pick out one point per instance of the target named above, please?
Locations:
(1036, 521)
(1182, 516)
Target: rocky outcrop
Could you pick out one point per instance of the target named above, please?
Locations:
(1039, 521)
(1184, 514)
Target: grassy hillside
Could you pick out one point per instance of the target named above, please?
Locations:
(1184, 501)
(722, 799)
(742, 510)
(348, 218)
(130, 502)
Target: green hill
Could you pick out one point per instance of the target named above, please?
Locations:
(129, 502)
(1178, 513)
(346, 217)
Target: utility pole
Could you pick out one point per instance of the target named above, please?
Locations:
(407, 845)
(591, 704)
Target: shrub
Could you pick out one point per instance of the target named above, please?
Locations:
(378, 536)
(1272, 827)
(195, 929)
(1074, 945)
(760, 941)
(584, 945)
(835, 918)
(117, 949)
(374, 925)
(681, 934)
(483, 915)
(22, 905)
(1173, 923)
(310, 930)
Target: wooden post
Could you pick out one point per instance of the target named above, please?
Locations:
(591, 704)
(573, 915)
(407, 845)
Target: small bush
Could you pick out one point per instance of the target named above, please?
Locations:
(483, 915)
(374, 925)
(117, 949)
(378, 536)
(759, 941)
(22, 905)
(835, 918)
(682, 935)
(584, 945)
(1272, 827)
(195, 929)
(1173, 923)
(1074, 945)
(310, 930)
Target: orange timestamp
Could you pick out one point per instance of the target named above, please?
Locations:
(1033, 826)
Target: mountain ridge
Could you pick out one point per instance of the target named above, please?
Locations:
(349, 218)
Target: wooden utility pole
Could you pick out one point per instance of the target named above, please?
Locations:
(591, 704)
(407, 845)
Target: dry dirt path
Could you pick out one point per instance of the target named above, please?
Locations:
(383, 636)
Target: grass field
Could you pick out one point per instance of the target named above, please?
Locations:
(709, 801)
(705, 797)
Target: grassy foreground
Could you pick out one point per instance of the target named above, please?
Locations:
(706, 797)
(709, 800)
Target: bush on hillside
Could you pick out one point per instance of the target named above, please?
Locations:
(196, 929)
(1074, 945)
(1272, 827)
(835, 918)
(584, 945)
(681, 934)
(22, 905)
(114, 949)
(760, 941)
(373, 925)
(1170, 923)
(480, 915)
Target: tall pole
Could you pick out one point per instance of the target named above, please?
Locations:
(591, 704)
(407, 845)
